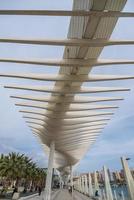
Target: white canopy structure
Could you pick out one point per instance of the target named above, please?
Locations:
(66, 120)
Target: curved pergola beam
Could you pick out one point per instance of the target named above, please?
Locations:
(77, 99)
(81, 13)
(105, 62)
(69, 122)
(71, 148)
(73, 141)
(64, 132)
(74, 137)
(75, 146)
(55, 123)
(71, 109)
(91, 124)
(68, 62)
(66, 78)
(49, 62)
(75, 127)
(85, 135)
(80, 130)
(69, 132)
(68, 90)
(68, 42)
(81, 122)
(85, 138)
(66, 116)
(43, 136)
(45, 133)
(82, 135)
(76, 141)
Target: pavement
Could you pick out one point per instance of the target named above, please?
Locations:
(59, 195)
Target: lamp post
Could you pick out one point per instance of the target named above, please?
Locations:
(128, 177)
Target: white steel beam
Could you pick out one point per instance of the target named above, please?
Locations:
(68, 62)
(66, 90)
(67, 122)
(67, 135)
(50, 115)
(77, 99)
(104, 13)
(66, 78)
(70, 109)
(67, 42)
(70, 122)
(62, 128)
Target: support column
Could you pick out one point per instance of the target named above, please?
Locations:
(96, 184)
(108, 190)
(104, 195)
(79, 185)
(122, 194)
(47, 194)
(115, 195)
(82, 184)
(129, 178)
(86, 185)
(61, 181)
(90, 185)
(71, 178)
(84, 192)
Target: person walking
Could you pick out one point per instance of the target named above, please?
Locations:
(39, 190)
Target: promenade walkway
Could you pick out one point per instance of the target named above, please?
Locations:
(61, 195)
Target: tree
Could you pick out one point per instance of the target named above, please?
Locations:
(19, 168)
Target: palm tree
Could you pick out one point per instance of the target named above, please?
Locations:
(12, 166)
(16, 167)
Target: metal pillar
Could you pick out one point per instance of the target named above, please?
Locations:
(115, 195)
(90, 185)
(108, 190)
(122, 194)
(86, 185)
(76, 185)
(79, 184)
(104, 195)
(96, 185)
(129, 178)
(71, 178)
(47, 194)
(82, 184)
(61, 182)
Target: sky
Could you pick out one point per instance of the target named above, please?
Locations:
(117, 139)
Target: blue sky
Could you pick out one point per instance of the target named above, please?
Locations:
(117, 138)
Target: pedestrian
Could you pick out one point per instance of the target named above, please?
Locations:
(97, 195)
(15, 190)
(39, 190)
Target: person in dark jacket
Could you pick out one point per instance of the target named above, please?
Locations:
(39, 190)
